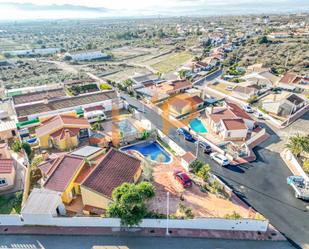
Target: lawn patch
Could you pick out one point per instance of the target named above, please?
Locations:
(172, 62)
(11, 203)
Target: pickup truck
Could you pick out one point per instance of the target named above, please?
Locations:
(300, 186)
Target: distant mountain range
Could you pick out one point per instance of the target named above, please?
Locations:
(51, 7)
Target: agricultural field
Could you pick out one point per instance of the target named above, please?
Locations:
(23, 73)
(172, 62)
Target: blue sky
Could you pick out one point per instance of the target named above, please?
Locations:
(148, 7)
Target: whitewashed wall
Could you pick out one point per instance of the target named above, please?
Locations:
(206, 223)
(179, 151)
(10, 220)
(297, 168)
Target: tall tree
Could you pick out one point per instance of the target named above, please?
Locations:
(298, 144)
(129, 202)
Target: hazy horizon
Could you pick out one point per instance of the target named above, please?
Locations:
(73, 9)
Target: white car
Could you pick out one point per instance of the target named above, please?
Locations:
(229, 88)
(219, 158)
(248, 108)
(258, 115)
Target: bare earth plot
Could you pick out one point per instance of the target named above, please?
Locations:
(202, 204)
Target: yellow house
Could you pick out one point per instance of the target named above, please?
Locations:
(184, 104)
(62, 132)
(115, 169)
(88, 173)
(65, 173)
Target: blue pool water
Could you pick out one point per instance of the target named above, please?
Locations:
(152, 150)
(32, 140)
(197, 125)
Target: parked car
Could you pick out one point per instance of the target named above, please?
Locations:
(205, 146)
(258, 115)
(248, 108)
(186, 135)
(229, 88)
(219, 158)
(183, 178)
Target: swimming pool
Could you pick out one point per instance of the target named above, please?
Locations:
(197, 125)
(151, 150)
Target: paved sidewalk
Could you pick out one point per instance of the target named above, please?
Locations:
(271, 234)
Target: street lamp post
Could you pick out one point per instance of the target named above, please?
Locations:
(197, 146)
(167, 211)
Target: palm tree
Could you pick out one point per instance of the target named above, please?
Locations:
(182, 74)
(298, 144)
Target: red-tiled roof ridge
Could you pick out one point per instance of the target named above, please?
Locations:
(105, 187)
(56, 167)
(234, 123)
(6, 166)
(238, 112)
(288, 77)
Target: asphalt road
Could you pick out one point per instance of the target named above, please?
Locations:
(262, 184)
(86, 242)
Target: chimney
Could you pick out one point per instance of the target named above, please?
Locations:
(45, 155)
(211, 109)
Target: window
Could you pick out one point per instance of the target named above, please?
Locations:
(2, 182)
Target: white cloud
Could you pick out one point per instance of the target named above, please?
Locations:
(154, 7)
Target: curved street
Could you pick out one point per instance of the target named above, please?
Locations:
(262, 184)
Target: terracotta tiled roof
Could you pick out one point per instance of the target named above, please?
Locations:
(179, 104)
(65, 102)
(234, 124)
(94, 108)
(63, 171)
(201, 64)
(60, 134)
(6, 166)
(225, 113)
(196, 100)
(46, 166)
(59, 122)
(37, 96)
(114, 169)
(180, 84)
(290, 78)
(238, 112)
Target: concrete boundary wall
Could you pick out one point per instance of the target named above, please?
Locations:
(253, 139)
(175, 147)
(203, 223)
(10, 220)
(293, 164)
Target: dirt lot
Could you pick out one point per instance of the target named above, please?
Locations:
(202, 204)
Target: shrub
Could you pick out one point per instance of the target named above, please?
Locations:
(196, 166)
(105, 86)
(233, 216)
(306, 166)
(188, 214)
(252, 99)
(16, 146)
(203, 172)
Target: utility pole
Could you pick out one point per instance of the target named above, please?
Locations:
(197, 146)
(288, 123)
(167, 211)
